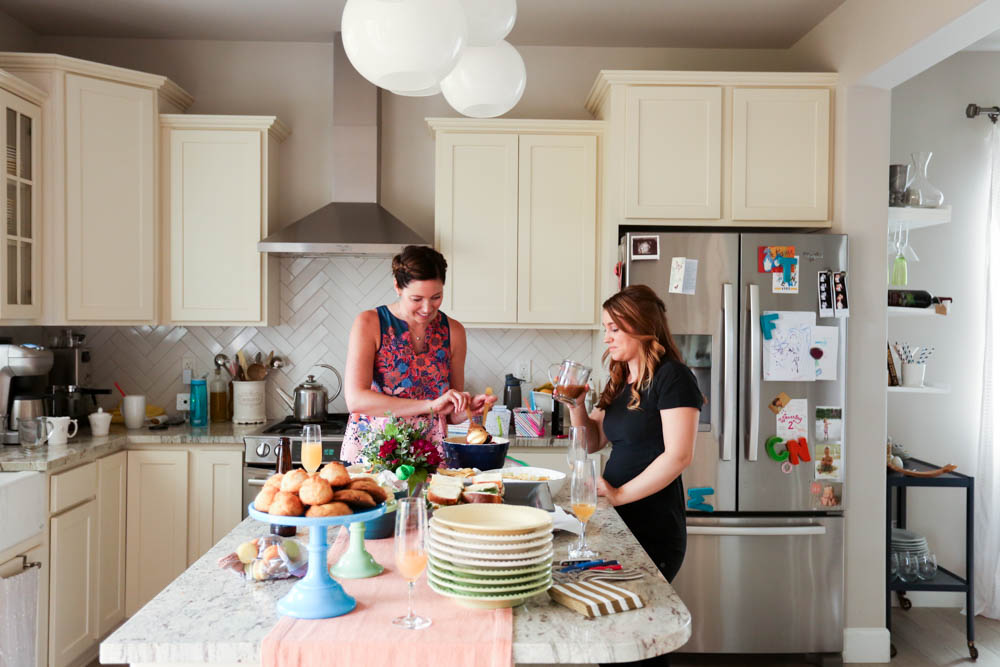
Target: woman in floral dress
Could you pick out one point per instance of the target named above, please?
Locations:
(407, 358)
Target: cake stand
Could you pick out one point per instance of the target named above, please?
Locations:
(317, 595)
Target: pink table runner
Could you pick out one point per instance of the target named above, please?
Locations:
(457, 637)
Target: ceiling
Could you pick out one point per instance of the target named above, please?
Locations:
(754, 24)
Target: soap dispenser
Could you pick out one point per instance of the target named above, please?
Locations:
(512, 391)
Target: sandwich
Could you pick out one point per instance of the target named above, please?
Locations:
(483, 492)
(491, 477)
(444, 490)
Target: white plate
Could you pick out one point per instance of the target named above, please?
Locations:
(449, 559)
(492, 519)
(459, 543)
(491, 590)
(446, 551)
(482, 601)
(442, 529)
(489, 573)
(461, 578)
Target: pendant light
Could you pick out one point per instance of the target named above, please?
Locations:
(489, 20)
(487, 81)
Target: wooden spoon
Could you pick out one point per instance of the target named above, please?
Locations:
(256, 372)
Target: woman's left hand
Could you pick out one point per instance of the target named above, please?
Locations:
(480, 400)
(608, 491)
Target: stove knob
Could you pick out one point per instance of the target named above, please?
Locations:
(263, 449)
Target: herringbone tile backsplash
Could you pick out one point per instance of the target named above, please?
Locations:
(320, 297)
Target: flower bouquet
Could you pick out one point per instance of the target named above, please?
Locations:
(403, 447)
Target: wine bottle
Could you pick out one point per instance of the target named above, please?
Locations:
(283, 454)
(911, 298)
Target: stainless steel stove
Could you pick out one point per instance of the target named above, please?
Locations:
(260, 457)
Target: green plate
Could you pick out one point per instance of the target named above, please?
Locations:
(484, 601)
(490, 589)
(463, 578)
(452, 568)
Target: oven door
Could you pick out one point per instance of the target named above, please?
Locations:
(253, 482)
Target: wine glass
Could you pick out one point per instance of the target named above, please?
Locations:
(411, 553)
(927, 566)
(312, 447)
(583, 499)
(898, 278)
(577, 448)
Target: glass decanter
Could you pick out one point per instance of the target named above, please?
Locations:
(921, 192)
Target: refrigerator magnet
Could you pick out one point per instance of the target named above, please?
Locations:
(786, 280)
(767, 257)
(769, 446)
(645, 247)
(779, 401)
(829, 497)
(829, 423)
(840, 305)
(828, 463)
(824, 352)
(824, 290)
(683, 275)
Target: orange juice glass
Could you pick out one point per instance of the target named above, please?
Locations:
(411, 553)
(312, 447)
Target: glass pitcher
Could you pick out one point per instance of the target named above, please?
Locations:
(34, 432)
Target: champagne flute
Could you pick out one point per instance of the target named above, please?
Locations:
(312, 447)
(577, 449)
(411, 553)
(583, 499)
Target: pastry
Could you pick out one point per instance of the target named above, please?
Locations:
(286, 504)
(329, 509)
(274, 480)
(315, 491)
(371, 487)
(271, 553)
(293, 480)
(335, 473)
(262, 502)
(355, 498)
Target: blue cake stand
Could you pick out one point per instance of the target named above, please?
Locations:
(317, 595)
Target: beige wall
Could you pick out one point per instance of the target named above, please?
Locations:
(293, 81)
(15, 36)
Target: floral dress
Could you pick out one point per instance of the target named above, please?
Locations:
(401, 371)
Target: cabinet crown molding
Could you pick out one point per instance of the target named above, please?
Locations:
(21, 88)
(608, 78)
(275, 128)
(516, 125)
(53, 61)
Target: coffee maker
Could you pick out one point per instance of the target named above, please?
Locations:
(23, 370)
(69, 386)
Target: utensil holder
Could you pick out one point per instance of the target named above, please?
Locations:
(248, 402)
(913, 374)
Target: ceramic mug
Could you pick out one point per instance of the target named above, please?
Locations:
(913, 374)
(61, 429)
(134, 410)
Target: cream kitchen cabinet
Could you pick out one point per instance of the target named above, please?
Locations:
(73, 622)
(215, 498)
(99, 221)
(20, 265)
(516, 218)
(157, 522)
(112, 475)
(219, 192)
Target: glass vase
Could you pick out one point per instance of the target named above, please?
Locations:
(920, 192)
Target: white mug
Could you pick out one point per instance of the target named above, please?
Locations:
(913, 374)
(61, 429)
(134, 410)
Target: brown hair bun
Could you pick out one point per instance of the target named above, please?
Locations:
(418, 262)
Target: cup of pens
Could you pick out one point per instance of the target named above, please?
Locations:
(914, 363)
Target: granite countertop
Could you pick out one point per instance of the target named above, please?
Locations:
(208, 615)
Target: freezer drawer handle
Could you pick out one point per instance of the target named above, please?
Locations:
(256, 482)
(763, 531)
(729, 381)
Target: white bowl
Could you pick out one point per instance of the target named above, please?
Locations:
(554, 478)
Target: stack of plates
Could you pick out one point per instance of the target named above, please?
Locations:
(908, 541)
(490, 556)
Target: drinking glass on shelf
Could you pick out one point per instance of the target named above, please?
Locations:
(411, 553)
(908, 566)
(583, 499)
(893, 566)
(577, 447)
(312, 447)
(927, 566)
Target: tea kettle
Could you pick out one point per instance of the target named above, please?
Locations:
(310, 401)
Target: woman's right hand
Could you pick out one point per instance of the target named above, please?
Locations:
(450, 402)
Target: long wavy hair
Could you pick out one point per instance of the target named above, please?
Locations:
(641, 314)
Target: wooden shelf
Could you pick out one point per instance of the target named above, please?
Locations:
(915, 218)
(899, 311)
(926, 389)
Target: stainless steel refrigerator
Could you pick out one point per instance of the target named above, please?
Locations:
(764, 569)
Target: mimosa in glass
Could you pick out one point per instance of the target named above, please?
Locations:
(312, 447)
(411, 553)
(583, 500)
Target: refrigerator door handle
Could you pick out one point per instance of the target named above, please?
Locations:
(755, 373)
(729, 376)
(760, 531)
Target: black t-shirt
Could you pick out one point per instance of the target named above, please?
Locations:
(637, 439)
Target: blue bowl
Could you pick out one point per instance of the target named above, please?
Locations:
(385, 525)
(458, 454)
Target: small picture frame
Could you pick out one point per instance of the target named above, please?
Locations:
(645, 247)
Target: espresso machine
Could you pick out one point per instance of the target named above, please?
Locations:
(69, 387)
(23, 370)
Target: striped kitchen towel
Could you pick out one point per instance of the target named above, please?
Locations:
(597, 597)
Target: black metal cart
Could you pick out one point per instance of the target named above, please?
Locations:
(944, 580)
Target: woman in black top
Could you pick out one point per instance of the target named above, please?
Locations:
(649, 412)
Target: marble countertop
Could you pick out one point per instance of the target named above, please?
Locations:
(208, 615)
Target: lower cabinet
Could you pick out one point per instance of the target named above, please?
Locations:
(111, 489)
(73, 583)
(215, 498)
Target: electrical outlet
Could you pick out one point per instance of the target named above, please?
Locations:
(187, 368)
(522, 369)
(183, 401)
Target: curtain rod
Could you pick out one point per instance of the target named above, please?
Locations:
(974, 110)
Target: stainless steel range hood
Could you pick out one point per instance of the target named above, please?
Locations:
(343, 228)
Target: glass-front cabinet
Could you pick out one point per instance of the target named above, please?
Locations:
(19, 286)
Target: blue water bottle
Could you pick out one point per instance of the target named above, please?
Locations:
(199, 403)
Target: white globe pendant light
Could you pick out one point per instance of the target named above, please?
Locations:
(425, 92)
(404, 45)
(487, 81)
(489, 20)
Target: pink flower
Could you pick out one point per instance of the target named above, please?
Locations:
(387, 448)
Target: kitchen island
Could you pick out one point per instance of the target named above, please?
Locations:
(211, 616)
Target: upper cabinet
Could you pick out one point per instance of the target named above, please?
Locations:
(515, 215)
(219, 193)
(99, 187)
(20, 265)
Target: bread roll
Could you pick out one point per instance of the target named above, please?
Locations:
(329, 509)
(371, 487)
(293, 480)
(335, 473)
(355, 498)
(315, 491)
(286, 504)
(262, 503)
(274, 480)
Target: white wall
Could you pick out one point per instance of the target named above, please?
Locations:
(928, 115)
(15, 36)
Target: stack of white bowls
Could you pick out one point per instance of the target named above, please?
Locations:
(491, 556)
(903, 540)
